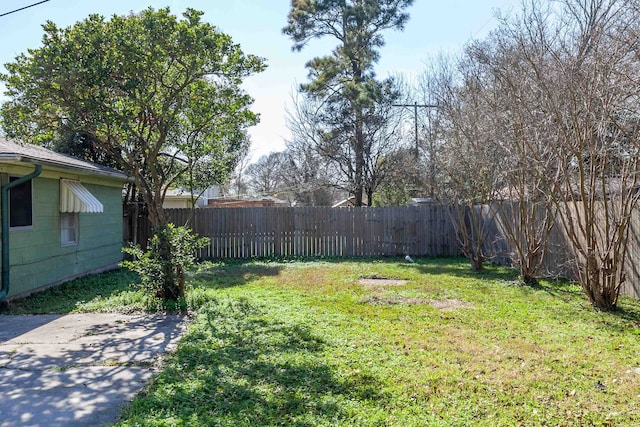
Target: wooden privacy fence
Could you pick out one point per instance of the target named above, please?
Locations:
(323, 231)
(318, 231)
(559, 259)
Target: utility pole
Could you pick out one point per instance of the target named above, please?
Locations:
(416, 153)
(415, 106)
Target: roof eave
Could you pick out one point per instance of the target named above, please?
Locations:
(10, 157)
(14, 158)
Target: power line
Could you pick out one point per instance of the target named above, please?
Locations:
(415, 106)
(22, 8)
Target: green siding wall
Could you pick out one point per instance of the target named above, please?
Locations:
(37, 258)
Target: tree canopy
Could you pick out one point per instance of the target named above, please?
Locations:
(159, 94)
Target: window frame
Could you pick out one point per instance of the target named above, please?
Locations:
(29, 226)
(75, 227)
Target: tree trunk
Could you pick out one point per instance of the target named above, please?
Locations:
(369, 197)
(359, 153)
(602, 283)
(173, 287)
(173, 276)
(477, 263)
(528, 279)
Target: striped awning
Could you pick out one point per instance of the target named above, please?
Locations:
(74, 197)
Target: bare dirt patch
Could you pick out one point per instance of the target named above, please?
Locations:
(447, 304)
(381, 281)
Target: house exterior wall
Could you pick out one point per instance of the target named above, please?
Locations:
(37, 257)
(176, 203)
(212, 192)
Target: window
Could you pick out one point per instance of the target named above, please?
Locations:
(20, 204)
(68, 228)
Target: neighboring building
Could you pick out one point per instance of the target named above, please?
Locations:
(62, 220)
(262, 202)
(213, 192)
(179, 198)
(348, 203)
(420, 201)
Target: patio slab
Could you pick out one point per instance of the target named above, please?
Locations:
(78, 369)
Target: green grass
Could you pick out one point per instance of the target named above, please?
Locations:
(304, 344)
(113, 291)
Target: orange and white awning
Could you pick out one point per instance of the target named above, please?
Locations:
(74, 197)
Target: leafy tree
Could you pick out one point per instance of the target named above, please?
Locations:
(81, 145)
(345, 80)
(210, 168)
(156, 93)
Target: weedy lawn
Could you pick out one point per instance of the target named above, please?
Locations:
(311, 344)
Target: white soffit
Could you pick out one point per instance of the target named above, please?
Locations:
(74, 197)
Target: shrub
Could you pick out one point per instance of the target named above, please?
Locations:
(172, 250)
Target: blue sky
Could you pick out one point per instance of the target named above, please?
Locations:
(435, 26)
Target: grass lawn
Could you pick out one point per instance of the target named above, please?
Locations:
(307, 344)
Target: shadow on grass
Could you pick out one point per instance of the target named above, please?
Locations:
(459, 267)
(563, 289)
(626, 315)
(456, 266)
(231, 273)
(64, 298)
(241, 365)
(629, 311)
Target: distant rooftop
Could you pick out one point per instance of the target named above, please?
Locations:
(15, 152)
(415, 201)
(181, 193)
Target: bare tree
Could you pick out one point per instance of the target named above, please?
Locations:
(555, 91)
(520, 134)
(326, 128)
(237, 185)
(265, 176)
(468, 156)
(586, 72)
(430, 126)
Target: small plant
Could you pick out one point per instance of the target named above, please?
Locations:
(161, 268)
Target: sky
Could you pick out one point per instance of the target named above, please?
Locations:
(435, 26)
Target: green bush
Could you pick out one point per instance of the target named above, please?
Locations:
(171, 251)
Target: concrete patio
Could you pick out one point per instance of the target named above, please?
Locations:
(78, 369)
